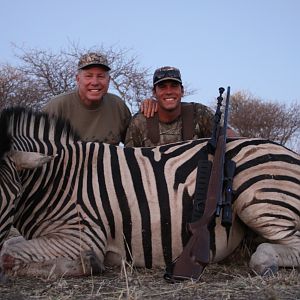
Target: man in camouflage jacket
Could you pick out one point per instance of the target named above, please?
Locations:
(174, 120)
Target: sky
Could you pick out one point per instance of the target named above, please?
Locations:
(249, 45)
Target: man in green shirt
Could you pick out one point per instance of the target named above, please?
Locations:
(174, 120)
(94, 113)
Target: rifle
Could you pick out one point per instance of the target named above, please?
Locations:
(195, 256)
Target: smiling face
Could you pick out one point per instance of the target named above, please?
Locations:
(168, 93)
(93, 83)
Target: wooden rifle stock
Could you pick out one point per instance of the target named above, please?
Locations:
(195, 256)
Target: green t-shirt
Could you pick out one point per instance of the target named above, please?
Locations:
(107, 123)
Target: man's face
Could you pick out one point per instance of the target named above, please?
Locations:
(92, 84)
(168, 94)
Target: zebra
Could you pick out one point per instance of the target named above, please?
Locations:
(83, 205)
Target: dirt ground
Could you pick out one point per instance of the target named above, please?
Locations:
(231, 279)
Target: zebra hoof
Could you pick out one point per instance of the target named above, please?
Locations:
(263, 269)
(264, 261)
(270, 271)
(97, 267)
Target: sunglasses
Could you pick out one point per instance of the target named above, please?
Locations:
(166, 73)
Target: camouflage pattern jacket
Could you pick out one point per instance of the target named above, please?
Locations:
(138, 134)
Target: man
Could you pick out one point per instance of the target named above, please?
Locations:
(174, 120)
(93, 112)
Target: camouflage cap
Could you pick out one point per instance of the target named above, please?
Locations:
(166, 73)
(93, 59)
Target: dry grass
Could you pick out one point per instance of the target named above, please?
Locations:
(219, 281)
(231, 279)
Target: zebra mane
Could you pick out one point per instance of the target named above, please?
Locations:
(5, 137)
(16, 121)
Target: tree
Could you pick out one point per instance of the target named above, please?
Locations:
(17, 89)
(53, 73)
(252, 117)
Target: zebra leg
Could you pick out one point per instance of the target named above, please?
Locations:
(270, 207)
(282, 248)
(269, 257)
(51, 268)
(87, 264)
(25, 257)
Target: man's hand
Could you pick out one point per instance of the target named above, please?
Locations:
(148, 107)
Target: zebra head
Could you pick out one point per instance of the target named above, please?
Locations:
(12, 162)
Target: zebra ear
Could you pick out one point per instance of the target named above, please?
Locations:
(29, 160)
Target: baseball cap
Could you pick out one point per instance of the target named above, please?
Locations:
(93, 59)
(166, 73)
